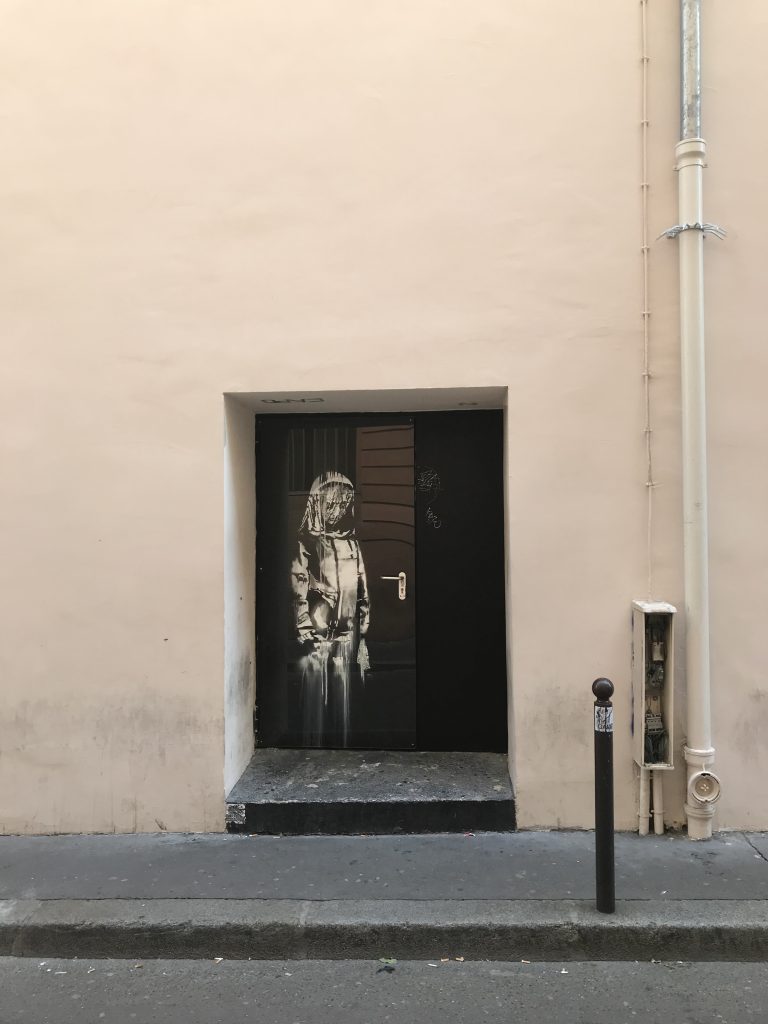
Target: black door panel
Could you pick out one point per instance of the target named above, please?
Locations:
(461, 645)
(336, 657)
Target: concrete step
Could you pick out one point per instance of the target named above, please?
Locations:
(349, 792)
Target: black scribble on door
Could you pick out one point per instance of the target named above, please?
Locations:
(428, 483)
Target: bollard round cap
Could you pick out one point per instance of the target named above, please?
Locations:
(602, 689)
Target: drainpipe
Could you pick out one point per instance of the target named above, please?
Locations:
(703, 786)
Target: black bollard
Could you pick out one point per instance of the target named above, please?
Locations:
(604, 858)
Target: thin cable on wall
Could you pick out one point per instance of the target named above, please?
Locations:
(646, 310)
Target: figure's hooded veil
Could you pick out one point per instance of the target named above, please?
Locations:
(330, 507)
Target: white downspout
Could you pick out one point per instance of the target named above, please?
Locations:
(658, 803)
(703, 786)
(645, 801)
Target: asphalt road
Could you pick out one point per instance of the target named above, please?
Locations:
(374, 992)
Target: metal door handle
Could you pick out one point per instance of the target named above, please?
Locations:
(401, 584)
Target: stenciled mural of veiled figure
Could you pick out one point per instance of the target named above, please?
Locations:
(332, 609)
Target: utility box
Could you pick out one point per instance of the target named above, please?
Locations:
(653, 683)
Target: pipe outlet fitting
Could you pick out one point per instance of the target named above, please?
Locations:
(704, 789)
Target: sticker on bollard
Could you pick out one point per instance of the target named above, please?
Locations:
(603, 719)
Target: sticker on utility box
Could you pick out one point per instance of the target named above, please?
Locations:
(603, 719)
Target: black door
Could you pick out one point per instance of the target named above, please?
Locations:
(380, 592)
(336, 633)
(461, 619)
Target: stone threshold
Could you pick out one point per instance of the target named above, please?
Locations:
(349, 792)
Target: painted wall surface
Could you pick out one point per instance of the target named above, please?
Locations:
(206, 198)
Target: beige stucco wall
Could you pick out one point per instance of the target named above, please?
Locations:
(207, 198)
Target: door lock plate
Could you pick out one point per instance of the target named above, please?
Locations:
(402, 584)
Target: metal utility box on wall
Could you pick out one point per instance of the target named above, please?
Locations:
(653, 683)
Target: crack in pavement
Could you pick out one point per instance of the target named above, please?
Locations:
(757, 851)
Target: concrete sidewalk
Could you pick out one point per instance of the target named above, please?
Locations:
(524, 895)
